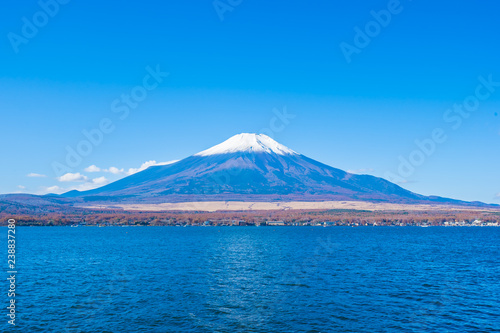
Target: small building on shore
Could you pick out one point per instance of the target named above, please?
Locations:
(275, 223)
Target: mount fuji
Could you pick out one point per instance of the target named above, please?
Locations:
(252, 167)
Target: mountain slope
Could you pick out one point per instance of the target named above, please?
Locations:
(251, 167)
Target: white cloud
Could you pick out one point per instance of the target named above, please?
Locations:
(100, 180)
(52, 189)
(21, 187)
(72, 177)
(131, 171)
(90, 184)
(92, 168)
(86, 186)
(146, 165)
(95, 182)
(114, 170)
(35, 175)
(143, 166)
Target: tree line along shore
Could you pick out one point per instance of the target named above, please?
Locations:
(84, 217)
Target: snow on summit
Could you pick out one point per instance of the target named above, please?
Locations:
(246, 142)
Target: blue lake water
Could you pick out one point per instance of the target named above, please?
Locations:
(249, 279)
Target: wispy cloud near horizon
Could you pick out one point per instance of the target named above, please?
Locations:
(92, 168)
(72, 177)
(35, 175)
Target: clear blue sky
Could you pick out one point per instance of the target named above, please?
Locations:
(226, 77)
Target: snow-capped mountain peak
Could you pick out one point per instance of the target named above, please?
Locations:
(248, 142)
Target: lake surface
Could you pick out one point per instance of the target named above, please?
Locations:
(249, 279)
